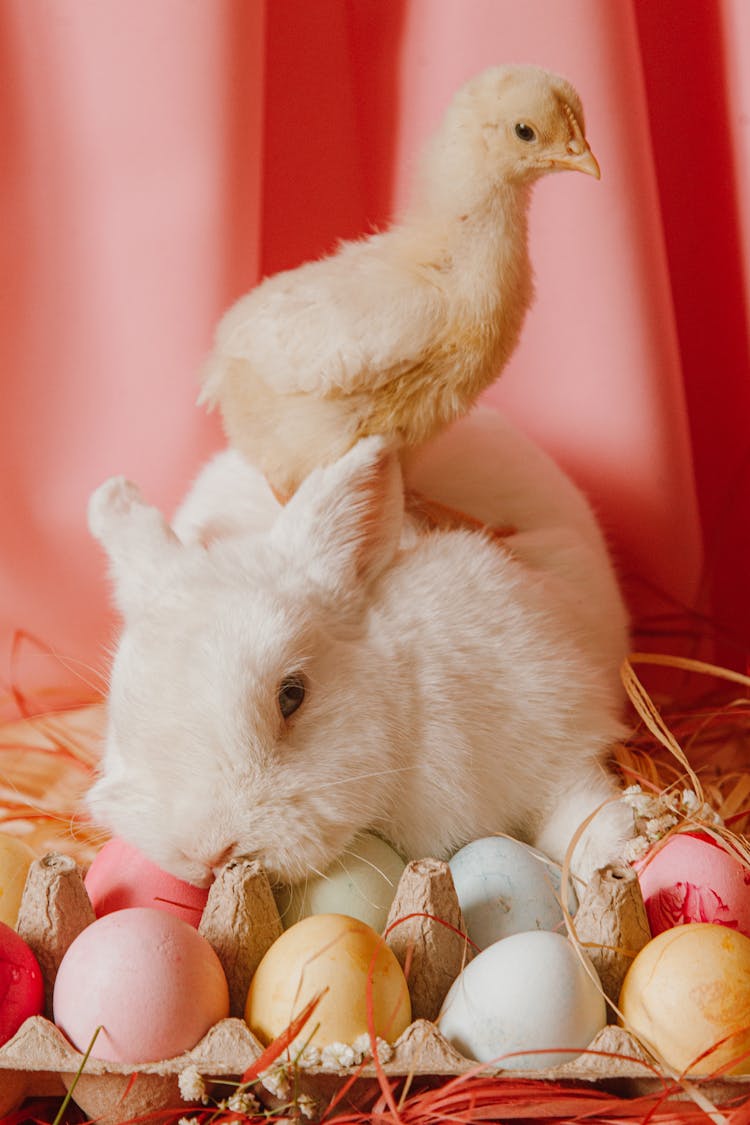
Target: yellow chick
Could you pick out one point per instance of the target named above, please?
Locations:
(398, 333)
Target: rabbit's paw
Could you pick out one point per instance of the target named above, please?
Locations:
(592, 812)
(603, 841)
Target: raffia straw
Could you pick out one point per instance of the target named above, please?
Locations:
(686, 664)
(735, 799)
(46, 764)
(651, 717)
(733, 842)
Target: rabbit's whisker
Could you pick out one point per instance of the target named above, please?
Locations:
(360, 777)
(345, 869)
(370, 863)
(320, 874)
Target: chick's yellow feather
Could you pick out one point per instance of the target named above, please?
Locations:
(399, 333)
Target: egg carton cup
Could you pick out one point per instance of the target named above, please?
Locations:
(241, 921)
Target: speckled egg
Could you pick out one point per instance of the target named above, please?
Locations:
(152, 982)
(120, 877)
(528, 993)
(692, 878)
(16, 857)
(21, 985)
(688, 989)
(505, 887)
(335, 953)
(360, 883)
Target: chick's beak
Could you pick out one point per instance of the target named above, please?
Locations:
(579, 158)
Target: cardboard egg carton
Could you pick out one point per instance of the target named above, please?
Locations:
(241, 922)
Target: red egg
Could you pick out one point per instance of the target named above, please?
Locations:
(693, 879)
(150, 981)
(121, 877)
(21, 985)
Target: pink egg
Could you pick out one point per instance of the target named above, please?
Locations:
(692, 879)
(21, 985)
(121, 876)
(151, 981)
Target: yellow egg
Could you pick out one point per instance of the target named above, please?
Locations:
(333, 952)
(16, 858)
(687, 990)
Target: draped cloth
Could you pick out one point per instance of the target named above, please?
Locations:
(160, 156)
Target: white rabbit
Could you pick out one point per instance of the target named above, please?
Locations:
(288, 677)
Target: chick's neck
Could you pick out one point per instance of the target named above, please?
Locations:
(477, 249)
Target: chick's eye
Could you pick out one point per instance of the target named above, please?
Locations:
(291, 694)
(524, 132)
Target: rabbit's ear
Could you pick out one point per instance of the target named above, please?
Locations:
(139, 542)
(345, 520)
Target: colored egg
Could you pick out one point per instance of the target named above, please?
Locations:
(16, 857)
(329, 954)
(121, 877)
(693, 879)
(505, 887)
(21, 985)
(148, 978)
(688, 989)
(529, 997)
(360, 883)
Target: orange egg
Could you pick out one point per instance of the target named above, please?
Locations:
(330, 954)
(688, 990)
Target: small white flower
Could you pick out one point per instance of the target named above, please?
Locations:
(658, 826)
(276, 1081)
(188, 1121)
(689, 801)
(242, 1101)
(337, 1055)
(709, 815)
(192, 1086)
(636, 849)
(362, 1046)
(642, 804)
(307, 1106)
(309, 1056)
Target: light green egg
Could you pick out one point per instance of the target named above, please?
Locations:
(361, 882)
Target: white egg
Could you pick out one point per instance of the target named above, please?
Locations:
(505, 887)
(360, 883)
(528, 993)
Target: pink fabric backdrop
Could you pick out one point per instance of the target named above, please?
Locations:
(161, 155)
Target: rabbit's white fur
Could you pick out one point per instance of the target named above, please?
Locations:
(455, 687)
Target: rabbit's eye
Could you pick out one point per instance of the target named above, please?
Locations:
(291, 694)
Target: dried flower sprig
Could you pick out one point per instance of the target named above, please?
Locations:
(657, 814)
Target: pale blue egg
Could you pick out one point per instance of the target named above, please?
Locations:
(529, 993)
(505, 887)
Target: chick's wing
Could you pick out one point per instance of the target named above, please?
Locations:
(343, 324)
